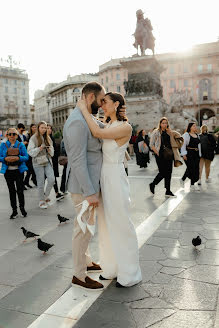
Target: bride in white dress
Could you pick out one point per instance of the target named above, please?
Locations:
(119, 256)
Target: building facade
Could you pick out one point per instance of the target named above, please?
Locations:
(190, 81)
(14, 98)
(64, 98)
(42, 104)
(112, 76)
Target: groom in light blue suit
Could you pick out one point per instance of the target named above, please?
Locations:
(83, 179)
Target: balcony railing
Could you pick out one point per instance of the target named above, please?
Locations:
(205, 72)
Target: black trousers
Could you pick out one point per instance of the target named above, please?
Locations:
(165, 171)
(192, 166)
(14, 177)
(30, 173)
(55, 186)
(63, 181)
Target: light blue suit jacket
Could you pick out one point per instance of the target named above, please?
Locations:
(84, 156)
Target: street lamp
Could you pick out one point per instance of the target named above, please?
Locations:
(48, 99)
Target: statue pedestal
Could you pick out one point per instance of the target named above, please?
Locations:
(145, 105)
(145, 111)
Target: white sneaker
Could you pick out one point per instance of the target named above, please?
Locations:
(208, 180)
(199, 182)
(197, 188)
(42, 204)
(182, 183)
(192, 188)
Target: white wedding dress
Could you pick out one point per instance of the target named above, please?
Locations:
(119, 256)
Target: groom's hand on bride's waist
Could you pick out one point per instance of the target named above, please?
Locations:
(93, 200)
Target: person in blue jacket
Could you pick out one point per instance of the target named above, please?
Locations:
(14, 173)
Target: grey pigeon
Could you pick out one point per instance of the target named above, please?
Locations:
(43, 246)
(62, 219)
(28, 234)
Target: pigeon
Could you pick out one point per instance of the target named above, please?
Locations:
(28, 234)
(196, 241)
(43, 246)
(62, 219)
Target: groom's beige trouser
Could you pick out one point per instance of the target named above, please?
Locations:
(80, 241)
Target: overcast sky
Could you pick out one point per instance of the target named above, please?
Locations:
(52, 38)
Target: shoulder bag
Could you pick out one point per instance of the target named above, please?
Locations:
(12, 157)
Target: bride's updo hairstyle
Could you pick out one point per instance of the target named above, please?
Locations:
(115, 96)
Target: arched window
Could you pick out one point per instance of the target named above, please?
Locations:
(76, 90)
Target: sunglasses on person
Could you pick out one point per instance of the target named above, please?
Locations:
(12, 134)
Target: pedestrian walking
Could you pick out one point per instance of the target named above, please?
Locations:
(41, 150)
(63, 160)
(55, 162)
(22, 138)
(131, 144)
(208, 147)
(143, 149)
(165, 144)
(13, 155)
(30, 173)
(191, 152)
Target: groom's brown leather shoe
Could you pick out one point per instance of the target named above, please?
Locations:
(88, 284)
(94, 268)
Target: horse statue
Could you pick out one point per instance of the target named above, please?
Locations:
(143, 34)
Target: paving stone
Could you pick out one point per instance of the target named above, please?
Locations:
(186, 237)
(191, 227)
(211, 219)
(149, 269)
(191, 319)
(183, 254)
(146, 318)
(211, 226)
(158, 241)
(171, 225)
(151, 303)
(171, 271)
(151, 253)
(108, 315)
(161, 278)
(36, 295)
(154, 290)
(210, 234)
(4, 290)
(190, 295)
(208, 256)
(177, 263)
(174, 234)
(125, 294)
(204, 273)
(212, 244)
(190, 220)
(13, 319)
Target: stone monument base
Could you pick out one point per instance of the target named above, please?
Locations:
(145, 111)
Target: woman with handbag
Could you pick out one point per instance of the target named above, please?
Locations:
(41, 150)
(191, 152)
(165, 143)
(13, 155)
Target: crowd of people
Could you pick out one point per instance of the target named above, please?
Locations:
(196, 149)
(30, 156)
(94, 159)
